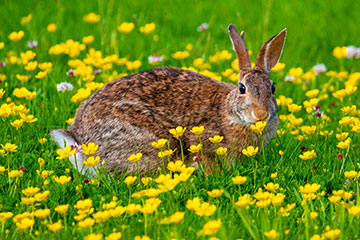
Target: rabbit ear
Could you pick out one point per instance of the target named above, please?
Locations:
(270, 52)
(240, 48)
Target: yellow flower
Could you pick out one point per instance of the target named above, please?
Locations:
(331, 234)
(89, 149)
(344, 144)
(30, 66)
(30, 191)
(62, 180)
(205, 209)
(334, 199)
(352, 174)
(216, 139)
(215, 193)
(271, 186)
(88, 222)
(17, 123)
(159, 144)
(55, 226)
(41, 75)
(309, 129)
(309, 188)
(353, 211)
(195, 148)
(146, 180)
(51, 27)
(177, 132)
(26, 19)
(2, 45)
(16, 36)
(42, 196)
(166, 153)
(68, 150)
(177, 217)
(239, 180)
(178, 166)
(250, 151)
(101, 216)
(326, 133)
(42, 213)
(221, 151)
(272, 234)
(113, 236)
(25, 223)
(339, 52)
(210, 228)
(273, 175)
(308, 155)
(278, 67)
(179, 55)
(126, 27)
(45, 66)
(91, 161)
(133, 65)
(244, 201)
(133, 208)
(4, 216)
(62, 209)
(9, 147)
(294, 108)
(148, 28)
(42, 140)
(28, 118)
(258, 127)
(278, 199)
(88, 39)
(130, 180)
(312, 93)
(135, 157)
(28, 201)
(70, 120)
(197, 130)
(92, 18)
(15, 173)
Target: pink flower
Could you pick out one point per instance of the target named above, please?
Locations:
(70, 73)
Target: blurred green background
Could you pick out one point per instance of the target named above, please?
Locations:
(314, 27)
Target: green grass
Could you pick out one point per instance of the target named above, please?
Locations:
(314, 29)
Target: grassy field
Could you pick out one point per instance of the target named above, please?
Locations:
(304, 185)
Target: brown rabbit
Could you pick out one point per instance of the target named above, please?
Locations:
(126, 115)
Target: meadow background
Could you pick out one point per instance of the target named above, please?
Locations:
(289, 210)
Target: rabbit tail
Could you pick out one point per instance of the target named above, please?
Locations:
(64, 138)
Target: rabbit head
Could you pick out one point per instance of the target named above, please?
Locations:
(253, 100)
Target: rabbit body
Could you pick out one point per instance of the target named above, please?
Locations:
(126, 115)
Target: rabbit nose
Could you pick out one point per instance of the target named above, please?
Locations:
(260, 115)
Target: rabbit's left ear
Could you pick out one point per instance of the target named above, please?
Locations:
(270, 52)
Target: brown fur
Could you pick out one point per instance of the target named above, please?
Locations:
(126, 115)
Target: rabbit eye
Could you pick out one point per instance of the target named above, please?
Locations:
(273, 88)
(242, 88)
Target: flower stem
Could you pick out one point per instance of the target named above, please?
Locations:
(182, 151)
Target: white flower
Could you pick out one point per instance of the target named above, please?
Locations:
(203, 27)
(64, 86)
(319, 68)
(352, 52)
(32, 44)
(289, 78)
(155, 59)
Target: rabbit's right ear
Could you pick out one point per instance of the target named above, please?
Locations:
(240, 48)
